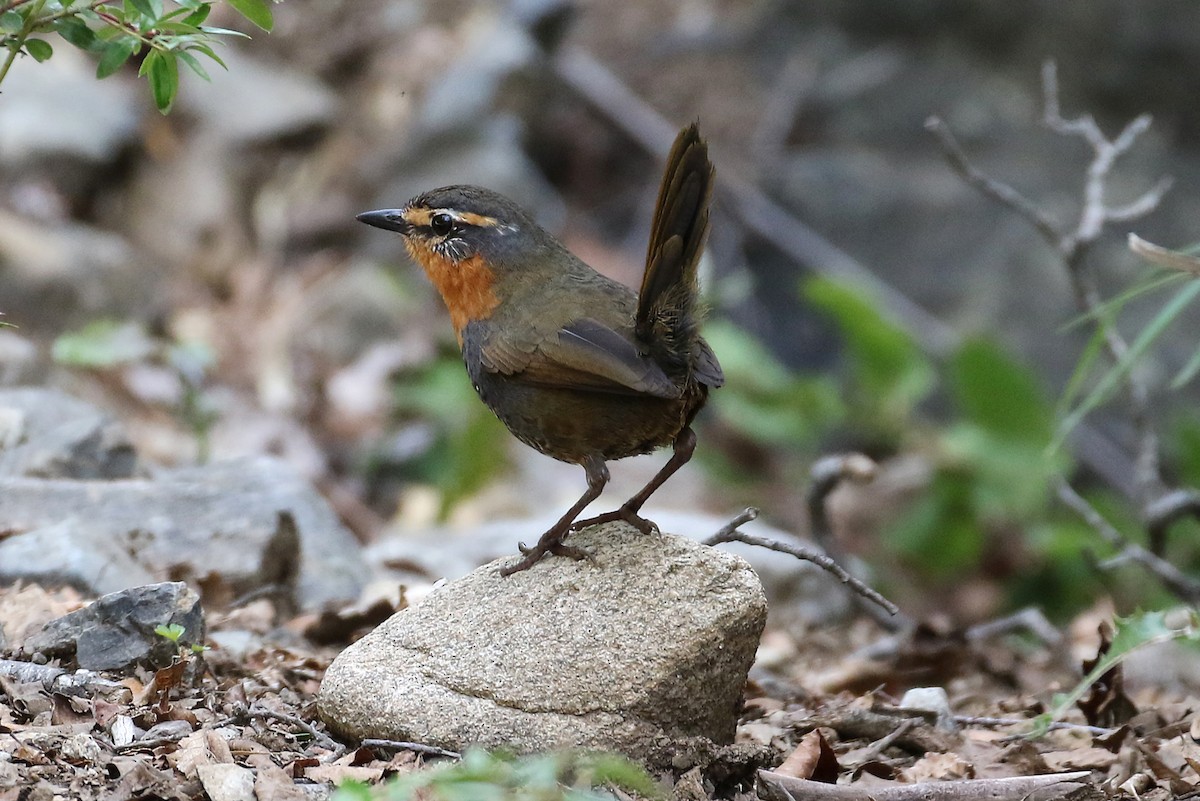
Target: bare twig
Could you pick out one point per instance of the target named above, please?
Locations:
(1156, 254)
(824, 477)
(1184, 586)
(1000, 192)
(1159, 508)
(319, 737)
(883, 743)
(974, 720)
(730, 533)
(1029, 619)
(1167, 510)
(1016, 788)
(400, 745)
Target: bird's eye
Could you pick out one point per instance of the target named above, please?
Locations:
(441, 224)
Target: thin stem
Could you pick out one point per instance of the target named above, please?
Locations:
(15, 47)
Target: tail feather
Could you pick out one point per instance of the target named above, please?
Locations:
(667, 314)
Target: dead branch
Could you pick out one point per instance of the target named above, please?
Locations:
(730, 533)
(399, 745)
(1030, 619)
(1163, 257)
(1160, 508)
(319, 737)
(1044, 786)
(1167, 510)
(29, 673)
(824, 477)
(1184, 586)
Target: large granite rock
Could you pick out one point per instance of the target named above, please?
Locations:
(644, 646)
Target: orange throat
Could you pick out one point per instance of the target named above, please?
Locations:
(465, 286)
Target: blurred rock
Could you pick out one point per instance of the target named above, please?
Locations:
(646, 643)
(255, 101)
(69, 553)
(233, 527)
(117, 631)
(497, 46)
(17, 357)
(61, 274)
(45, 433)
(57, 113)
(797, 590)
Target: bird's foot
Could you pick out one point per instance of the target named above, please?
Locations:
(626, 514)
(550, 543)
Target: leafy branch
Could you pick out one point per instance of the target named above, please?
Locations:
(163, 33)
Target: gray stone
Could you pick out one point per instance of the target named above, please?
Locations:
(48, 434)
(117, 631)
(244, 524)
(59, 109)
(223, 782)
(466, 91)
(70, 553)
(62, 275)
(254, 101)
(646, 644)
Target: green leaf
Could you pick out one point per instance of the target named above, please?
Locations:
(1130, 634)
(163, 74)
(1000, 395)
(766, 402)
(151, 9)
(1109, 384)
(193, 63)
(198, 16)
(115, 55)
(104, 343)
(76, 31)
(257, 11)
(172, 632)
(208, 51)
(1188, 372)
(891, 372)
(40, 50)
(11, 22)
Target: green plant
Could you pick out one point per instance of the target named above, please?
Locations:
(168, 33)
(484, 776)
(1130, 633)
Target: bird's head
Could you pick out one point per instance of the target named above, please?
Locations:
(462, 236)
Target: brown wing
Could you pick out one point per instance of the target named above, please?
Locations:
(584, 354)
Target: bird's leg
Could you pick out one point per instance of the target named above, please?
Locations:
(552, 540)
(684, 446)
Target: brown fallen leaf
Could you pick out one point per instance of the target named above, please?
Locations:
(938, 767)
(1080, 759)
(336, 774)
(812, 758)
(272, 783)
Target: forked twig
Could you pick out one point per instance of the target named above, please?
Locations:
(827, 474)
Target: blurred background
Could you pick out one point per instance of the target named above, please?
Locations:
(201, 275)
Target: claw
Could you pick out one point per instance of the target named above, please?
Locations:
(550, 543)
(624, 513)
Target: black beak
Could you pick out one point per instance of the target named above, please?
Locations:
(388, 220)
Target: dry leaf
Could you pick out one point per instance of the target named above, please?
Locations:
(812, 759)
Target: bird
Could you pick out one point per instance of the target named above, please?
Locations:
(576, 365)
